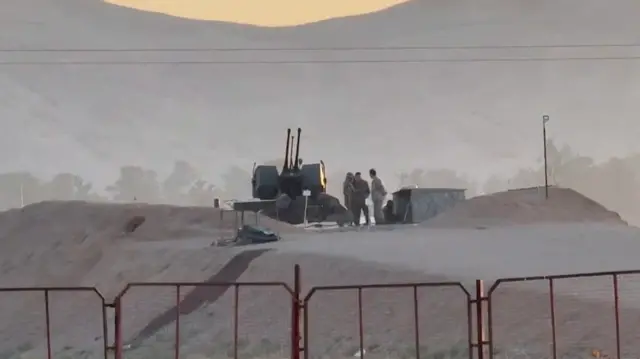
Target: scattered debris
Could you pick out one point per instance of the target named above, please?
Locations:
(249, 234)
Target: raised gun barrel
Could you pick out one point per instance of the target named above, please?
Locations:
(286, 152)
(291, 153)
(296, 164)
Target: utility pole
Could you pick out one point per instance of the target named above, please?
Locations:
(545, 119)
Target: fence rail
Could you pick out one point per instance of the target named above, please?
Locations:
(551, 281)
(479, 345)
(360, 290)
(46, 291)
(119, 342)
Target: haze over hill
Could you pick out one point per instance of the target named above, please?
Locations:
(477, 117)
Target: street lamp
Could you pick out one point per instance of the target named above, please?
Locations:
(545, 119)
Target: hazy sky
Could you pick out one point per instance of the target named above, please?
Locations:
(260, 12)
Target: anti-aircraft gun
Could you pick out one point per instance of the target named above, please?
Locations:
(293, 180)
(279, 194)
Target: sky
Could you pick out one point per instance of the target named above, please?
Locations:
(271, 13)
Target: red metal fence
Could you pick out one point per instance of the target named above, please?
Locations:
(179, 302)
(481, 314)
(603, 322)
(46, 304)
(360, 290)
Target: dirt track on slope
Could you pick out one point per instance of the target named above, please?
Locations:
(200, 296)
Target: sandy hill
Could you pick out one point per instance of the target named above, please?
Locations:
(76, 243)
(479, 116)
(525, 206)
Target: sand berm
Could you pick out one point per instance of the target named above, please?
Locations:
(504, 234)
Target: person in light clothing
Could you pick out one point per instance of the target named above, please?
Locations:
(378, 195)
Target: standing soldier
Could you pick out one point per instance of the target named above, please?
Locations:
(360, 196)
(348, 191)
(378, 195)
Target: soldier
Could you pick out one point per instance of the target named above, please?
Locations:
(389, 216)
(359, 199)
(348, 190)
(378, 195)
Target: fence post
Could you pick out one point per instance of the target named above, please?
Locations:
(47, 311)
(295, 315)
(105, 330)
(118, 328)
(480, 327)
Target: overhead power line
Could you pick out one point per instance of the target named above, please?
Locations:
(362, 60)
(330, 48)
(291, 62)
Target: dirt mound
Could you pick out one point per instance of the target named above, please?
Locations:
(56, 243)
(85, 244)
(141, 221)
(525, 206)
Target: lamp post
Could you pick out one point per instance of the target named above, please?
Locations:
(545, 119)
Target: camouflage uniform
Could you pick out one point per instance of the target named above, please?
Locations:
(359, 200)
(348, 190)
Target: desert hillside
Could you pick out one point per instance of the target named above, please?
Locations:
(481, 117)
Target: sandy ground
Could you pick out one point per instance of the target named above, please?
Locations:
(70, 244)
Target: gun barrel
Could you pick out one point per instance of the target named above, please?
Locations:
(291, 153)
(296, 165)
(286, 151)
